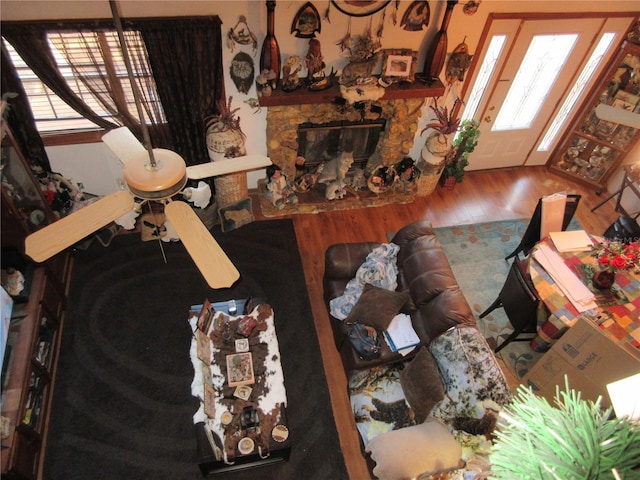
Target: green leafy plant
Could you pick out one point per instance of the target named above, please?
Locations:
(463, 145)
(575, 439)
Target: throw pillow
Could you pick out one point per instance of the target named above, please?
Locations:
(236, 215)
(377, 306)
(412, 451)
(421, 384)
(471, 375)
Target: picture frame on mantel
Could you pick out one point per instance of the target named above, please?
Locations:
(399, 65)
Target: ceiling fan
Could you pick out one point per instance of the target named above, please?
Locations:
(151, 174)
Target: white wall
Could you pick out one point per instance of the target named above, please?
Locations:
(102, 175)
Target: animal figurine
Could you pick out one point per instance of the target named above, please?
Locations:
(359, 70)
(333, 175)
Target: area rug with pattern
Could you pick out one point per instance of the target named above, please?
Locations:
(477, 254)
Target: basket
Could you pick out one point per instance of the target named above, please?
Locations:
(428, 180)
(231, 188)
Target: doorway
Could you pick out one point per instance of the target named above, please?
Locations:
(528, 81)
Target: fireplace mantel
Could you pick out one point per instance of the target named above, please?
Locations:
(397, 91)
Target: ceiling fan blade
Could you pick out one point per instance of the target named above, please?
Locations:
(228, 165)
(207, 254)
(618, 115)
(54, 238)
(123, 144)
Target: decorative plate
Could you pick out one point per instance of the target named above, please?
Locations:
(246, 446)
(280, 433)
(360, 8)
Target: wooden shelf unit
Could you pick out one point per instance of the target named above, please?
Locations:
(35, 329)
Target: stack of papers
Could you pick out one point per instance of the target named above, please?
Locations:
(577, 292)
(400, 335)
(571, 241)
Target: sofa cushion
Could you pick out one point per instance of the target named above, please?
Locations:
(421, 384)
(472, 379)
(377, 306)
(411, 451)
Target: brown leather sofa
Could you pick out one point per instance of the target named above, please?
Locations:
(423, 272)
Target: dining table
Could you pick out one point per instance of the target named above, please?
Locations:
(615, 310)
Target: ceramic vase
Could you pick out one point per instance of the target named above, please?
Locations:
(603, 279)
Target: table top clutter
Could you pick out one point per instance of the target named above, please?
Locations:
(563, 281)
(239, 381)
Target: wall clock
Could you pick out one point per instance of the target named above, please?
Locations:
(360, 8)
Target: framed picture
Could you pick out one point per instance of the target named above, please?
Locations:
(205, 317)
(203, 346)
(240, 369)
(399, 65)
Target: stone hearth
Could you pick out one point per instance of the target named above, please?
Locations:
(396, 140)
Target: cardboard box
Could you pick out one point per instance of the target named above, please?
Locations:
(589, 357)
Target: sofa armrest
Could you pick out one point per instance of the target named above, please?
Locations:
(341, 262)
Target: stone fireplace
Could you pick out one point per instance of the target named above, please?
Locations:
(400, 118)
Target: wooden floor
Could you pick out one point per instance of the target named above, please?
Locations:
(482, 196)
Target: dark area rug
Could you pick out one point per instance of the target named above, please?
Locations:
(122, 406)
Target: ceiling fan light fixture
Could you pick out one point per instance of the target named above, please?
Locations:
(162, 180)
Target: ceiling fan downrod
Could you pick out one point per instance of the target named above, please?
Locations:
(147, 178)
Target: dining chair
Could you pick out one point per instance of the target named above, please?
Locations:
(519, 299)
(532, 233)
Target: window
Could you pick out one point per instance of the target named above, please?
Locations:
(93, 66)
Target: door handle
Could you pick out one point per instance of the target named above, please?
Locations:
(487, 119)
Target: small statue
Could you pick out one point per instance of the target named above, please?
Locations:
(408, 173)
(314, 61)
(290, 80)
(279, 191)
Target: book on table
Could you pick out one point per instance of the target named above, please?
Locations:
(400, 333)
(571, 241)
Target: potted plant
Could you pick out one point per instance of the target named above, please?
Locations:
(444, 126)
(572, 439)
(458, 156)
(436, 147)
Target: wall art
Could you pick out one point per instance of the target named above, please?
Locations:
(416, 17)
(242, 35)
(306, 22)
(242, 72)
(360, 8)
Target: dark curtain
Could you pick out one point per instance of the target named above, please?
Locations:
(185, 54)
(20, 118)
(30, 41)
(186, 59)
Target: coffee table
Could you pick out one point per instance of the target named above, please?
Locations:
(238, 379)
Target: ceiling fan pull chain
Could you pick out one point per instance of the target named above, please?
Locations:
(155, 222)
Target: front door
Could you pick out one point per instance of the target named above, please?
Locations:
(529, 67)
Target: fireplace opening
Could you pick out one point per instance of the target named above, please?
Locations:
(318, 143)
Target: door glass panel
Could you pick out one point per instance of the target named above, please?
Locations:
(576, 90)
(486, 70)
(541, 65)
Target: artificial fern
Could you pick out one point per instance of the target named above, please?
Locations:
(575, 439)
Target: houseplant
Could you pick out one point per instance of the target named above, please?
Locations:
(436, 146)
(457, 159)
(573, 439)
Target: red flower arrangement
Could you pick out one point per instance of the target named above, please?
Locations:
(616, 255)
